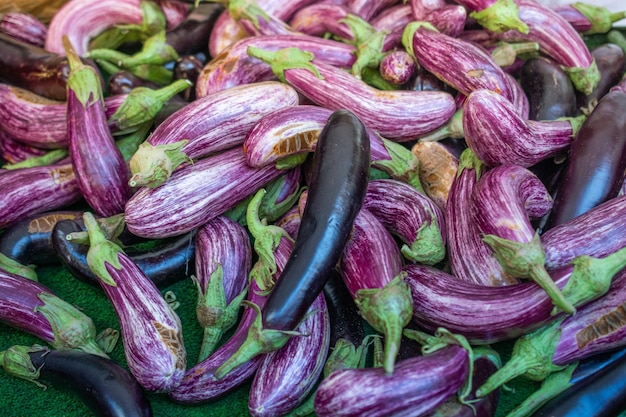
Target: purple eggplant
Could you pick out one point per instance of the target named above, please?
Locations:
(503, 200)
(195, 194)
(206, 126)
(611, 62)
(150, 329)
(411, 216)
(398, 115)
(223, 260)
(497, 134)
(418, 385)
(398, 67)
(32, 307)
(13, 151)
(190, 36)
(24, 26)
(367, 9)
(588, 18)
(496, 15)
(317, 19)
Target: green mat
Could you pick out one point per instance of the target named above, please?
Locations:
(19, 398)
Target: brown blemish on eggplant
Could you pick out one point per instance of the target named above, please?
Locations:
(296, 143)
(477, 73)
(63, 174)
(46, 223)
(605, 325)
(26, 95)
(173, 340)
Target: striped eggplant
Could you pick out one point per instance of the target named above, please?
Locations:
(12, 151)
(24, 26)
(150, 329)
(475, 68)
(98, 164)
(195, 194)
(223, 260)
(411, 216)
(496, 15)
(420, 8)
(317, 19)
(255, 21)
(208, 125)
(397, 67)
(288, 375)
(587, 18)
(559, 41)
(503, 201)
(449, 19)
(29, 191)
(235, 67)
(367, 9)
(397, 115)
(417, 386)
(32, 307)
(497, 134)
(393, 18)
(291, 130)
(371, 267)
(471, 259)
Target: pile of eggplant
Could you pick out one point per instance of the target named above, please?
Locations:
(367, 199)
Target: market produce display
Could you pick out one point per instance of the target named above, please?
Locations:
(338, 208)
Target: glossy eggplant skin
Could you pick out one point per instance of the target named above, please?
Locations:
(335, 195)
(191, 35)
(611, 62)
(165, 265)
(550, 91)
(107, 388)
(596, 162)
(29, 241)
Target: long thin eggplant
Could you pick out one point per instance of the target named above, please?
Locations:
(335, 195)
(596, 162)
(106, 387)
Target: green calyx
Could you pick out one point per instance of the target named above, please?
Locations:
(292, 161)
(469, 160)
(14, 267)
(16, 362)
(526, 260)
(388, 310)
(271, 207)
(129, 144)
(576, 122)
(102, 252)
(600, 18)
(83, 79)
(506, 53)
(402, 164)
(152, 165)
(48, 158)
(501, 16)
(584, 79)
(155, 51)
(368, 42)
(72, 329)
(452, 129)
(258, 341)
(345, 355)
(428, 247)
(246, 9)
(409, 33)
(284, 59)
(531, 357)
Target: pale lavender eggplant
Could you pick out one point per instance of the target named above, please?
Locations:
(417, 386)
(498, 135)
(322, 18)
(235, 67)
(13, 151)
(195, 194)
(149, 327)
(411, 216)
(367, 9)
(30, 306)
(81, 20)
(29, 191)
(290, 130)
(371, 267)
(398, 115)
(475, 68)
(206, 126)
(558, 40)
(588, 18)
(471, 259)
(257, 22)
(24, 26)
(225, 32)
(288, 375)
(598, 232)
(98, 164)
(503, 201)
(174, 12)
(449, 19)
(397, 67)
(223, 260)
(496, 15)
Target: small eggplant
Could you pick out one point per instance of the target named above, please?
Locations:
(397, 67)
(107, 388)
(24, 26)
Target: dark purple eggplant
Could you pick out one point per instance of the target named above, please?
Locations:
(611, 62)
(107, 388)
(122, 82)
(596, 161)
(335, 195)
(550, 91)
(188, 67)
(192, 34)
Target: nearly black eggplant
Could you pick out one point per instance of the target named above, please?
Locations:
(596, 161)
(335, 195)
(106, 387)
(611, 62)
(190, 36)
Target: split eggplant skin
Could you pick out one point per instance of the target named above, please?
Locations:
(596, 162)
(107, 388)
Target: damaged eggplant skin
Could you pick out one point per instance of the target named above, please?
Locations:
(107, 388)
(165, 265)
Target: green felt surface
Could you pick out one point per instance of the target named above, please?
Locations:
(19, 398)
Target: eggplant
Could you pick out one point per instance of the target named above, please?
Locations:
(32, 307)
(398, 67)
(107, 388)
(368, 9)
(418, 385)
(190, 36)
(496, 16)
(389, 114)
(420, 8)
(497, 134)
(208, 125)
(255, 21)
(611, 62)
(595, 164)
(225, 33)
(15, 153)
(589, 19)
(25, 27)
(123, 81)
(150, 329)
(342, 152)
(550, 91)
(411, 216)
(188, 67)
(317, 19)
